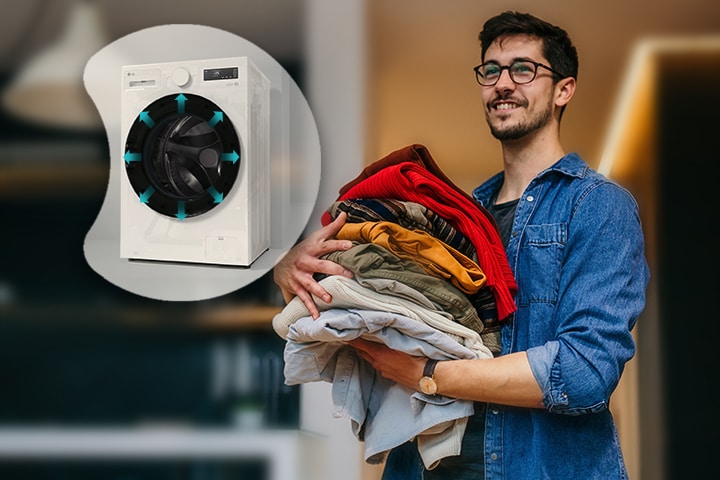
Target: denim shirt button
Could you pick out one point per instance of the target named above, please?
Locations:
(495, 411)
(493, 456)
(529, 198)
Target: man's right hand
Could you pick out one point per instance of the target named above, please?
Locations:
(294, 272)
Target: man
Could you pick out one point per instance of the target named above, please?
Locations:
(574, 242)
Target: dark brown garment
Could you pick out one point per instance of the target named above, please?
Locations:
(415, 153)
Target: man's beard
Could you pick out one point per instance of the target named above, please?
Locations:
(519, 130)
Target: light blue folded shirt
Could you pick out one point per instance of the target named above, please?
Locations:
(382, 413)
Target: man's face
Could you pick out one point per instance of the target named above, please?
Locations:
(514, 111)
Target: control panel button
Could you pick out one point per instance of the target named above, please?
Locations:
(181, 77)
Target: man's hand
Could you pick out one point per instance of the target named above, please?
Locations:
(294, 272)
(392, 364)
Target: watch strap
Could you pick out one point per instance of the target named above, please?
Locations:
(429, 369)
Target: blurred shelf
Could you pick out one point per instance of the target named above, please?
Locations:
(33, 180)
(289, 453)
(198, 317)
(146, 442)
(238, 316)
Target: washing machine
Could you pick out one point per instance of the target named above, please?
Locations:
(195, 182)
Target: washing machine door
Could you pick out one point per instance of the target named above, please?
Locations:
(182, 155)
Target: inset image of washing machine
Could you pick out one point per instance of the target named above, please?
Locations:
(195, 182)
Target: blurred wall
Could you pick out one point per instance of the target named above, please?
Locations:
(423, 89)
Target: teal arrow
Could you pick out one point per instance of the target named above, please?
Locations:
(145, 117)
(230, 157)
(181, 210)
(145, 196)
(217, 117)
(215, 194)
(181, 103)
(132, 157)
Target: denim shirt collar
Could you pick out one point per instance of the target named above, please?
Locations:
(570, 165)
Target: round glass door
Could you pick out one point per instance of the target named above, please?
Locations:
(182, 155)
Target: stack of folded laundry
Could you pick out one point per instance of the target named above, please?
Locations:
(430, 279)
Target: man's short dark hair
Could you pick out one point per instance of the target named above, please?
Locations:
(557, 47)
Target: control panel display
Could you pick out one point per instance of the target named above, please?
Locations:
(220, 73)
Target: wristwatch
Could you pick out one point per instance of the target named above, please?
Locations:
(427, 382)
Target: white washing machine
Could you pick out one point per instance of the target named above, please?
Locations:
(196, 155)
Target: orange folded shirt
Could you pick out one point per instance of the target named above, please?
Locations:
(433, 255)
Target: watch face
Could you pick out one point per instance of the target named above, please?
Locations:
(428, 386)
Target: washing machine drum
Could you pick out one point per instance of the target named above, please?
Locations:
(182, 155)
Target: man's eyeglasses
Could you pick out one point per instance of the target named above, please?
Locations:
(521, 72)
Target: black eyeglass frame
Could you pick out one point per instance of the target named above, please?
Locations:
(478, 75)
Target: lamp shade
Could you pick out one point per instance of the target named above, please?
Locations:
(49, 90)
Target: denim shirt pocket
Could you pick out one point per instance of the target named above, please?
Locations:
(541, 251)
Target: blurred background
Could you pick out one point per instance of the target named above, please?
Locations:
(80, 355)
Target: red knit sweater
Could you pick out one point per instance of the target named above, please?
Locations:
(410, 181)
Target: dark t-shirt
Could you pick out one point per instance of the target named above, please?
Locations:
(504, 214)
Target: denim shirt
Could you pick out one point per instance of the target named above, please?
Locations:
(577, 251)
